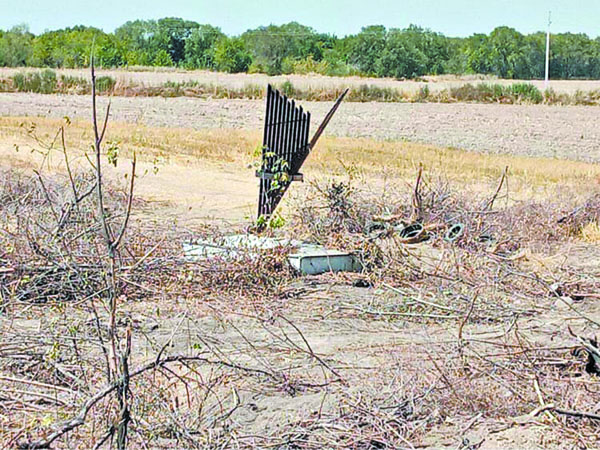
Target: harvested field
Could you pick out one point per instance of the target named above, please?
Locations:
(565, 132)
(158, 77)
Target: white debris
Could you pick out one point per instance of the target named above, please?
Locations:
(309, 259)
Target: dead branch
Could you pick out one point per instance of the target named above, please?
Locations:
(117, 241)
(118, 384)
(98, 165)
(417, 200)
(490, 203)
(580, 414)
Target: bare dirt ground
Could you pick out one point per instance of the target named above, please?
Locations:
(157, 77)
(566, 132)
(461, 352)
(208, 175)
(183, 191)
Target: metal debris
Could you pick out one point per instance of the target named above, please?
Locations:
(285, 147)
(308, 259)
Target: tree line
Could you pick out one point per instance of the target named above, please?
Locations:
(294, 48)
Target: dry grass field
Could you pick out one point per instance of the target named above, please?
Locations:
(208, 174)
(478, 343)
(160, 76)
(565, 132)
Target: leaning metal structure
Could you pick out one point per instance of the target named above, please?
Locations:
(285, 147)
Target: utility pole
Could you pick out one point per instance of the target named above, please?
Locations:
(546, 81)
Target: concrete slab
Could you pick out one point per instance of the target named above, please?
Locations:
(234, 246)
(315, 260)
(308, 259)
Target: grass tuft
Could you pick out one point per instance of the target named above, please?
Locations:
(43, 82)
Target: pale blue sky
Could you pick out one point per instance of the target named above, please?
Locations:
(451, 17)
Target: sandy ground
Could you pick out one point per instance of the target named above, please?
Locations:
(183, 192)
(569, 132)
(353, 342)
(365, 350)
(435, 83)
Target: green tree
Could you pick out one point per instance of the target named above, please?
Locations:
(72, 47)
(231, 55)
(139, 38)
(400, 58)
(271, 46)
(15, 46)
(457, 56)
(172, 33)
(433, 46)
(144, 39)
(508, 58)
(406, 53)
(476, 54)
(574, 56)
(366, 48)
(502, 53)
(199, 47)
(162, 58)
(137, 35)
(535, 61)
(337, 58)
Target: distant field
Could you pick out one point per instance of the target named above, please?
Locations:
(157, 77)
(569, 132)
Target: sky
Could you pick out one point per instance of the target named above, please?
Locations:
(340, 17)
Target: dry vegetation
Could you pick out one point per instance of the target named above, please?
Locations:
(207, 85)
(156, 77)
(376, 160)
(566, 132)
(484, 341)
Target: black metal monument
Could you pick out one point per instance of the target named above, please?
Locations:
(285, 147)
